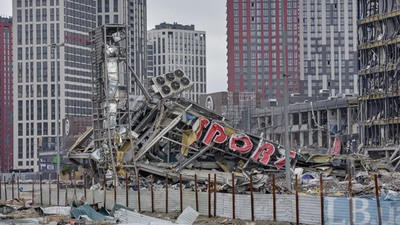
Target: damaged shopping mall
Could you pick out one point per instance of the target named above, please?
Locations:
(379, 78)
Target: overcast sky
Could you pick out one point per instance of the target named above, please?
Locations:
(206, 15)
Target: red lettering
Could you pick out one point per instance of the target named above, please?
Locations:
(240, 143)
(265, 151)
(200, 126)
(215, 133)
(281, 162)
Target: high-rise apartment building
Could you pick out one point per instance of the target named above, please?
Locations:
(328, 47)
(379, 77)
(134, 14)
(51, 47)
(258, 45)
(177, 46)
(6, 115)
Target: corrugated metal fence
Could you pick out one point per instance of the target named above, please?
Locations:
(336, 209)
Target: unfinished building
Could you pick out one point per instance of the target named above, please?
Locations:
(379, 76)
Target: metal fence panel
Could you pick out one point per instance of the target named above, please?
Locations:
(309, 209)
(336, 209)
(286, 208)
(364, 211)
(263, 207)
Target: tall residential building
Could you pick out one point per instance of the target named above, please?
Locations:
(328, 47)
(51, 43)
(134, 14)
(379, 77)
(177, 46)
(257, 46)
(6, 115)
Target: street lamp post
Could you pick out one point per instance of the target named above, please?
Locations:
(57, 116)
(286, 103)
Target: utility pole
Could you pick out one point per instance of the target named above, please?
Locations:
(286, 100)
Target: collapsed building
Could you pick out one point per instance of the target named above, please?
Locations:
(379, 77)
(157, 131)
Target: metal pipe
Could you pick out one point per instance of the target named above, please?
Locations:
(58, 189)
(152, 193)
(41, 190)
(297, 200)
(215, 195)
(138, 194)
(350, 200)
(196, 193)
(115, 189)
(166, 193)
(321, 195)
(180, 192)
(209, 196)
(378, 203)
(233, 196)
(273, 197)
(251, 197)
(126, 190)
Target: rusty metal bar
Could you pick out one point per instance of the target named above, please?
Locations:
(215, 195)
(58, 189)
(115, 189)
(378, 203)
(66, 194)
(321, 195)
(297, 199)
(41, 190)
(195, 192)
(273, 197)
(5, 188)
(152, 193)
(180, 192)
(0, 188)
(350, 200)
(17, 188)
(166, 193)
(233, 196)
(33, 192)
(209, 196)
(138, 189)
(50, 189)
(251, 197)
(126, 190)
(74, 174)
(105, 191)
(12, 187)
(84, 186)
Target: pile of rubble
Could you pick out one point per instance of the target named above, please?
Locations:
(14, 211)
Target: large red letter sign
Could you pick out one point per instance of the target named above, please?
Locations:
(199, 125)
(240, 143)
(215, 133)
(281, 162)
(265, 151)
